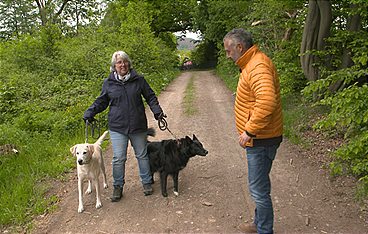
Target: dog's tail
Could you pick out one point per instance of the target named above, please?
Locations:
(101, 138)
(151, 132)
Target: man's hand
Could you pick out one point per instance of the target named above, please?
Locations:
(243, 139)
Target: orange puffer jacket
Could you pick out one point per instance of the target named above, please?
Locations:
(258, 105)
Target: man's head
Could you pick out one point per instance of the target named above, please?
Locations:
(236, 43)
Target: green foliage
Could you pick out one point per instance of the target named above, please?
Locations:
(228, 71)
(138, 40)
(294, 117)
(163, 12)
(169, 39)
(77, 14)
(349, 114)
(23, 54)
(184, 55)
(348, 109)
(49, 35)
(23, 176)
(287, 62)
(353, 159)
(269, 15)
(17, 18)
(356, 43)
(205, 55)
(145, 51)
(7, 101)
(268, 23)
(214, 19)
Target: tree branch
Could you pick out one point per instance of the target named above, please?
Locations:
(61, 8)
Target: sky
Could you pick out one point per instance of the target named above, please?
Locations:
(194, 35)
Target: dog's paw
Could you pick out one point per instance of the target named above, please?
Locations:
(105, 186)
(88, 191)
(98, 205)
(80, 209)
(176, 193)
(164, 194)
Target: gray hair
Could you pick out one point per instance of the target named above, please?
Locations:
(120, 54)
(239, 35)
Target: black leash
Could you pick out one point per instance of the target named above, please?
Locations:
(94, 124)
(162, 124)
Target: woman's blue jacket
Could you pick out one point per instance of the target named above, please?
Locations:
(127, 113)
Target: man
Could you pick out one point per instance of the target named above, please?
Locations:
(258, 117)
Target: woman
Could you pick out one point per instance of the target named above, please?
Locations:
(122, 91)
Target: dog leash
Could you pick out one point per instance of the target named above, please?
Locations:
(163, 125)
(93, 124)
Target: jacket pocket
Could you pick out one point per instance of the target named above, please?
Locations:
(247, 115)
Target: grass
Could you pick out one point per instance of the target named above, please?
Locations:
(294, 114)
(189, 97)
(299, 117)
(25, 177)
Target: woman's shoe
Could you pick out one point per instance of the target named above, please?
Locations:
(117, 193)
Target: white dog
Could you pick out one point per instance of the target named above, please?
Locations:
(89, 166)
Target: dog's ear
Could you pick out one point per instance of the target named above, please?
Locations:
(194, 137)
(187, 139)
(72, 150)
(91, 148)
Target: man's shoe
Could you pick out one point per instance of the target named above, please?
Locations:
(248, 228)
(147, 189)
(117, 193)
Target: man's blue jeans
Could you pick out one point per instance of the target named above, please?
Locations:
(119, 146)
(260, 160)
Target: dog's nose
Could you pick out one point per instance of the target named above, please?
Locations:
(205, 152)
(80, 162)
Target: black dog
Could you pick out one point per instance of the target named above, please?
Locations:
(170, 156)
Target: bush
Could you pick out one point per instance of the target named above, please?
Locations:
(228, 71)
(348, 108)
(287, 62)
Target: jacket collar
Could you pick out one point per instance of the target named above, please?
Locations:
(114, 76)
(246, 57)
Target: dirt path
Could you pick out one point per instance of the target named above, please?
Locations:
(213, 191)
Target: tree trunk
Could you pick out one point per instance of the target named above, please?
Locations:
(42, 11)
(61, 9)
(316, 30)
(353, 25)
